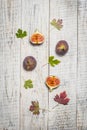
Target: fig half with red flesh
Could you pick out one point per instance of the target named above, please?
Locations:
(62, 48)
(37, 38)
(29, 63)
(52, 82)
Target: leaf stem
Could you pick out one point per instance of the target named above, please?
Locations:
(22, 41)
(44, 65)
(43, 109)
(55, 106)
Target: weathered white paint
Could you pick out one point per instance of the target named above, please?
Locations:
(82, 66)
(10, 19)
(64, 117)
(35, 15)
(14, 99)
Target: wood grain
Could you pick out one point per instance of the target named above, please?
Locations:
(72, 71)
(64, 117)
(82, 66)
(35, 15)
(9, 64)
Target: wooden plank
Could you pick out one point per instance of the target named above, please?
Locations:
(10, 20)
(64, 117)
(82, 66)
(35, 15)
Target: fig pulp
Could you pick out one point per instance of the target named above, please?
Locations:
(52, 82)
(37, 38)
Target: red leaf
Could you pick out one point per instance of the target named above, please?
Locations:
(31, 108)
(34, 108)
(65, 101)
(62, 98)
(63, 95)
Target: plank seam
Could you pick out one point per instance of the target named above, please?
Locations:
(77, 65)
(20, 103)
(48, 56)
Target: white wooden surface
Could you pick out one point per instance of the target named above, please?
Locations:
(82, 67)
(10, 20)
(64, 117)
(14, 99)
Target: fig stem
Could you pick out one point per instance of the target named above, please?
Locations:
(36, 30)
(50, 90)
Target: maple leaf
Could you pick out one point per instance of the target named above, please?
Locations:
(34, 108)
(21, 34)
(28, 84)
(53, 61)
(62, 98)
(57, 23)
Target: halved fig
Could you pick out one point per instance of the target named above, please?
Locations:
(37, 38)
(62, 48)
(29, 63)
(52, 82)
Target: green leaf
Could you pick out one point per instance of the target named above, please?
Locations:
(21, 34)
(56, 61)
(53, 61)
(28, 84)
(57, 23)
(51, 58)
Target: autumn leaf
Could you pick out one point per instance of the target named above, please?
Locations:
(28, 84)
(52, 61)
(57, 23)
(21, 34)
(62, 98)
(34, 108)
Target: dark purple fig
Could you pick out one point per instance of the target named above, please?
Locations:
(29, 63)
(62, 48)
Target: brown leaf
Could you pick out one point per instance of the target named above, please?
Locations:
(34, 108)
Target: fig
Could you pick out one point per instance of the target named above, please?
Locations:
(62, 48)
(52, 82)
(29, 63)
(37, 38)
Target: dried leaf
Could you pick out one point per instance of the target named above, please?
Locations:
(57, 23)
(28, 84)
(34, 108)
(62, 98)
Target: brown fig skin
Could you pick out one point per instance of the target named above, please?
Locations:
(33, 44)
(62, 48)
(29, 63)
